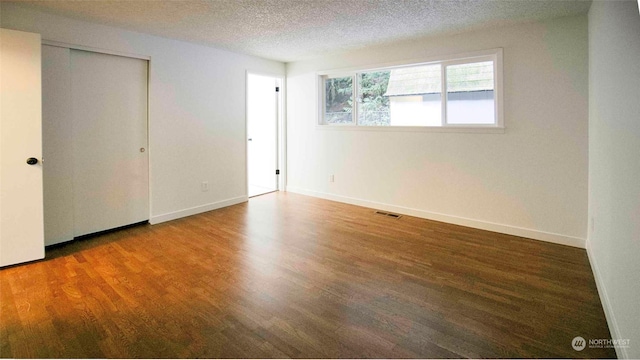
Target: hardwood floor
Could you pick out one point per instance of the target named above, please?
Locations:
(287, 275)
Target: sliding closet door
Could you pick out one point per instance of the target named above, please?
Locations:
(111, 166)
(57, 145)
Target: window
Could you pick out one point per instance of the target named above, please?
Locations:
(338, 100)
(470, 90)
(412, 95)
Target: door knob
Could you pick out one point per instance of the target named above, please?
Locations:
(32, 161)
(250, 139)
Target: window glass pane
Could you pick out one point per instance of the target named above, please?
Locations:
(373, 104)
(338, 100)
(470, 94)
(408, 96)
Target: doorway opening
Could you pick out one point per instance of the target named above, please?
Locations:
(263, 136)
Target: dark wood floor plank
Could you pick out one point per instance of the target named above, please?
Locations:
(286, 275)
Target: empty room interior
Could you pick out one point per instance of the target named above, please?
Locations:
(320, 179)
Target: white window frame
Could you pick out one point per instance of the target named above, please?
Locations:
(494, 55)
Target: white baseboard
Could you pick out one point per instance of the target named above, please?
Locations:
(621, 353)
(451, 219)
(197, 210)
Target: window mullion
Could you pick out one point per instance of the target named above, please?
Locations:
(355, 94)
(443, 96)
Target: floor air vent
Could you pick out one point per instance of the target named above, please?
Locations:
(391, 215)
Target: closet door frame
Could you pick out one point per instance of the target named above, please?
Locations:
(148, 120)
(95, 50)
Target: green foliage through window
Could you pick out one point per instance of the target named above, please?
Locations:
(373, 103)
(338, 100)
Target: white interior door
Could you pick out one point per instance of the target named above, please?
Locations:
(21, 219)
(111, 166)
(262, 131)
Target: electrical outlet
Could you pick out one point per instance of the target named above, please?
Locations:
(204, 186)
(331, 178)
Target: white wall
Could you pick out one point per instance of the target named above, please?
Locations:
(530, 181)
(197, 109)
(614, 164)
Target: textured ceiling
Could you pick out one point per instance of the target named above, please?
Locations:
(289, 30)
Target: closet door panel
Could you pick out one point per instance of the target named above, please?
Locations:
(57, 145)
(109, 105)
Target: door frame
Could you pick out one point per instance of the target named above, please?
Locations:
(281, 160)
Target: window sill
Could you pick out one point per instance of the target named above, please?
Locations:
(435, 129)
